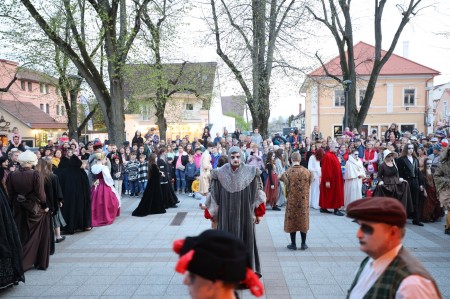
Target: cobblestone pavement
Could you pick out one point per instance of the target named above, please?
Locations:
(133, 258)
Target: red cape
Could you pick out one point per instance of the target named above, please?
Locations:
(333, 197)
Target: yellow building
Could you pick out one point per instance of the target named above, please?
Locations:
(194, 99)
(401, 95)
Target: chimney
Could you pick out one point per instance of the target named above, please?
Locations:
(406, 49)
(299, 108)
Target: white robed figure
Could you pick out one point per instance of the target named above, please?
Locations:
(354, 173)
(314, 191)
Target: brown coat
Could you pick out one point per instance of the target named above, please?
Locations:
(34, 230)
(298, 179)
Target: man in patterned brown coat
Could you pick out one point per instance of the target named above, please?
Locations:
(297, 179)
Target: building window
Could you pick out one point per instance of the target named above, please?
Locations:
(409, 96)
(22, 85)
(446, 110)
(30, 86)
(190, 107)
(42, 107)
(145, 112)
(407, 128)
(43, 88)
(339, 98)
(362, 93)
(60, 110)
(47, 108)
(337, 131)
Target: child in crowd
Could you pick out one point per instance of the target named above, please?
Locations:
(195, 187)
(373, 184)
(197, 157)
(215, 155)
(132, 169)
(143, 172)
(117, 174)
(191, 172)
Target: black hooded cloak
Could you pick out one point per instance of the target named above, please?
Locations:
(77, 196)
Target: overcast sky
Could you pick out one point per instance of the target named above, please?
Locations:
(425, 46)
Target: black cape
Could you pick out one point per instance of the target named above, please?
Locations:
(77, 196)
(152, 201)
(11, 270)
(168, 194)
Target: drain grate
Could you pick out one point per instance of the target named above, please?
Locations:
(178, 219)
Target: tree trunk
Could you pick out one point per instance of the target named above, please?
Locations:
(72, 115)
(115, 120)
(162, 125)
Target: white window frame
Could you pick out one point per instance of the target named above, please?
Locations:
(361, 95)
(414, 100)
(145, 112)
(342, 100)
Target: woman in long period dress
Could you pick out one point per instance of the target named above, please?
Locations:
(205, 173)
(33, 221)
(152, 201)
(314, 167)
(105, 199)
(271, 187)
(280, 169)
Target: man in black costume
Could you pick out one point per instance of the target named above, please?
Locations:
(170, 198)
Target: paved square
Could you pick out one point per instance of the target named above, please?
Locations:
(133, 258)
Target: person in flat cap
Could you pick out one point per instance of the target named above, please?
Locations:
(215, 264)
(389, 270)
(435, 157)
(236, 201)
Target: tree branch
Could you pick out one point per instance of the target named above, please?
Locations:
(5, 89)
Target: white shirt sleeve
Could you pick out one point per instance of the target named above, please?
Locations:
(416, 286)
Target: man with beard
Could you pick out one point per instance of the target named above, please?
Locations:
(331, 186)
(169, 197)
(236, 202)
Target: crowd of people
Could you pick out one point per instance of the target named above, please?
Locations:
(67, 187)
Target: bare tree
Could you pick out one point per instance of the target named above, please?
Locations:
(116, 39)
(336, 16)
(254, 30)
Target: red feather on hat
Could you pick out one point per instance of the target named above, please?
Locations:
(177, 245)
(184, 261)
(254, 284)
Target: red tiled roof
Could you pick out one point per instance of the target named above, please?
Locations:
(31, 115)
(364, 55)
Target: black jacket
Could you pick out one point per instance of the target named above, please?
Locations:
(184, 160)
(409, 171)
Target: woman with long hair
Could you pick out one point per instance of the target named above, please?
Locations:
(271, 188)
(54, 199)
(314, 167)
(431, 209)
(152, 201)
(105, 198)
(137, 139)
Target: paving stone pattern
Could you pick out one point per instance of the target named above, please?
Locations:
(133, 258)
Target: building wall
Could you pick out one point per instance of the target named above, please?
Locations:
(387, 105)
(32, 92)
(442, 111)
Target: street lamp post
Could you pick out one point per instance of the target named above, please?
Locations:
(347, 84)
(74, 85)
